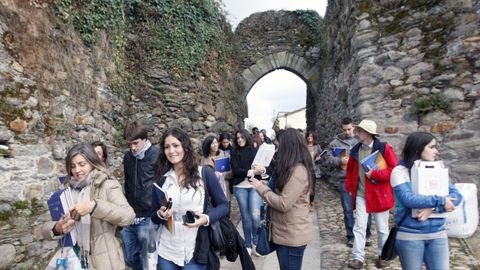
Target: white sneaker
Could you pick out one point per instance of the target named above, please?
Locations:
(256, 253)
(249, 250)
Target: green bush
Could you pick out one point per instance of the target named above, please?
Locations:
(426, 104)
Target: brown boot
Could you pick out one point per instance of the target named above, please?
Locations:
(355, 264)
(379, 263)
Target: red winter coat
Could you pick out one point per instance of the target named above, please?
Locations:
(378, 191)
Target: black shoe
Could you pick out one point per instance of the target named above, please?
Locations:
(350, 243)
(368, 242)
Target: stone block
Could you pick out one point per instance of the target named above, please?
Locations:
(18, 125)
(391, 130)
(419, 68)
(8, 256)
(454, 94)
(442, 127)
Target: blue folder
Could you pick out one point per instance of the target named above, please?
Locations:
(222, 164)
(57, 210)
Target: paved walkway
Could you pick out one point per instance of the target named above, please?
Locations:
(335, 254)
(328, 250)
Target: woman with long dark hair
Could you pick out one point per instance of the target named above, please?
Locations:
(210, 153)
(100, 207)
(289, 203)
(249, 202)
(420, 239)
(180, 177)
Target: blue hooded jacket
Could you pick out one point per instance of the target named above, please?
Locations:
(406, 199)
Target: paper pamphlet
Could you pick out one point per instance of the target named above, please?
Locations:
(60, 203)
(162, 196)
(264, 155)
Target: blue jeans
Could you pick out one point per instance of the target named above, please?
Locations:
(290, 258)
(348, 218)
(413, 253)
(135, 240)
(250, 204)
(164, 264)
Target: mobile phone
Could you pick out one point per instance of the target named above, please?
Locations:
(169, 203)
(189, 217)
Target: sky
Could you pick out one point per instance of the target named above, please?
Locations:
(281, 90)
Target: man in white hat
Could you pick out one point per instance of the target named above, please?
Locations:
(347, 141)
(371, 191)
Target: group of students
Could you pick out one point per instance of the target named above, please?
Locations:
(102, 205)
(373, 193)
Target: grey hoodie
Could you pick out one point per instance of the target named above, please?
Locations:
(335, 162)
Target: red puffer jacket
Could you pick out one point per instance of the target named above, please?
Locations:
(378, 191)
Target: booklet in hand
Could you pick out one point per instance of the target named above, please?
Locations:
(323, 154)
(59, 204)
(374, 161)
(222, 164)
(340, 152)
(264, 155)
(162, 196)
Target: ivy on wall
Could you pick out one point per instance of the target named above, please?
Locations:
(315, 24)
(180, 35)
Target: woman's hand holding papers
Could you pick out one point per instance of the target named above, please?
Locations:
(64, 225)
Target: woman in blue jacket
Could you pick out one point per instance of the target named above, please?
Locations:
(421, 239)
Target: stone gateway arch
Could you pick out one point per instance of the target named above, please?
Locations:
(280, 40)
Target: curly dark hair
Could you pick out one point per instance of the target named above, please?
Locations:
(190, 162)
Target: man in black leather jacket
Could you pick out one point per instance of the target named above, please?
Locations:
(139, 164)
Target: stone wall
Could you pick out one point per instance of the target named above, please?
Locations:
(389, 54)
(56, 92)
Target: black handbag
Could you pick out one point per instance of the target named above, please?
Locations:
(265, 244)
(388, 251)
(217, 240)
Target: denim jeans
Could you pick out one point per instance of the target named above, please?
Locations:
(135, 240)
(360, 227)
(164, 264)
(346, 200)
(290, 258)
(250, 204)
(413, 253)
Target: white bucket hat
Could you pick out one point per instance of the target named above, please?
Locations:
(369, 126)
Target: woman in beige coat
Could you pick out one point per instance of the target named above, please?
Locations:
(99, 207)
(289, 202)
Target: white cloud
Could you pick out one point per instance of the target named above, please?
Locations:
(278, 91)
(240, 9)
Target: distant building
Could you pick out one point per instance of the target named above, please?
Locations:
(293, 119)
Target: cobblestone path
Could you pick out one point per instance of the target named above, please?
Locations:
(335, 254)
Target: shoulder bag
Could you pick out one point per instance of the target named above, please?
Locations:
(388, 251)
(265, 244)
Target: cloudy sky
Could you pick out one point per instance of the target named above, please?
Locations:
(281, 90)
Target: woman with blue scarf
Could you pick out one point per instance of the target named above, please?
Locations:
(421, 239)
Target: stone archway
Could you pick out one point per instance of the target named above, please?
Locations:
(274, 40)
(290, 62)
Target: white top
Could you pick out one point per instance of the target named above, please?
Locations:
(399, 176)
(179, 246)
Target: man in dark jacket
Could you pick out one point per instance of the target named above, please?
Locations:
(139, 164)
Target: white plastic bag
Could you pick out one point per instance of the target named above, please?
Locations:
(463, 221)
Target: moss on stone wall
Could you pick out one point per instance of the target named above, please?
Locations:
(179, 35)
